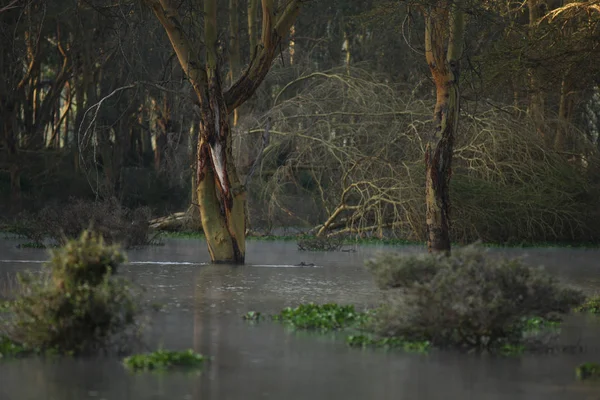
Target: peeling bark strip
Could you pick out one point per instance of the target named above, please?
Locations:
(444, 23)
(221, 196)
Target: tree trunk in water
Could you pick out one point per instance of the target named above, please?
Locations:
(221, 196)
(442, 24)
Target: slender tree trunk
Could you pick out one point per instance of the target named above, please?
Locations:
(536, 95)
(252, 29)
(444, 23)
(234, 49)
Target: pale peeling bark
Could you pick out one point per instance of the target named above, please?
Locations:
(444, 25)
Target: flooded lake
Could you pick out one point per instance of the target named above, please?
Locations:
(203, 308)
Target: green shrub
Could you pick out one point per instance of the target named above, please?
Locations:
(473, 301)
(164, 359)
(75, 305)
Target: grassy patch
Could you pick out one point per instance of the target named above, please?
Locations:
(591, 305)
(163, 360)
(588, 371)
(324, 317)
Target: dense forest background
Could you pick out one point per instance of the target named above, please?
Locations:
(94, 105)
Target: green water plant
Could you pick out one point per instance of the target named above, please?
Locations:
(163, 360)
(588, 371)
(76, 304)
(253, 316)
(367, 340)
(324, 317)
(591, 305)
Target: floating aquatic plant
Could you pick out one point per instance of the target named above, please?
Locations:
(164, 359)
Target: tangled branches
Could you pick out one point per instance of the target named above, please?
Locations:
(350, 148)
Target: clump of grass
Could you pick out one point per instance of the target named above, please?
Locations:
(163, 360)
(469, 300)
(588, 371)
(591, 305)
(324, 317)
(76, 305)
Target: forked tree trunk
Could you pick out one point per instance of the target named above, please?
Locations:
(444, 26)
(221, 196)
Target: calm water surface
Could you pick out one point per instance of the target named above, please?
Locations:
(203, 305)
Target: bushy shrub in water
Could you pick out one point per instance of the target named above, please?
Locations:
(469, 299)
(75, 305)
(389, 272)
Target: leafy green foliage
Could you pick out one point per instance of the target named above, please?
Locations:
(253, 316)
(75, 305)
(164, 359)
(589, 371)
(387, 342)
(473, 301)
(8, 348)
(535, 324)
(591, 305)
(323, 317)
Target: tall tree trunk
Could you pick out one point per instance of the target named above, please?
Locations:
(221, 196)
(444, 23)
